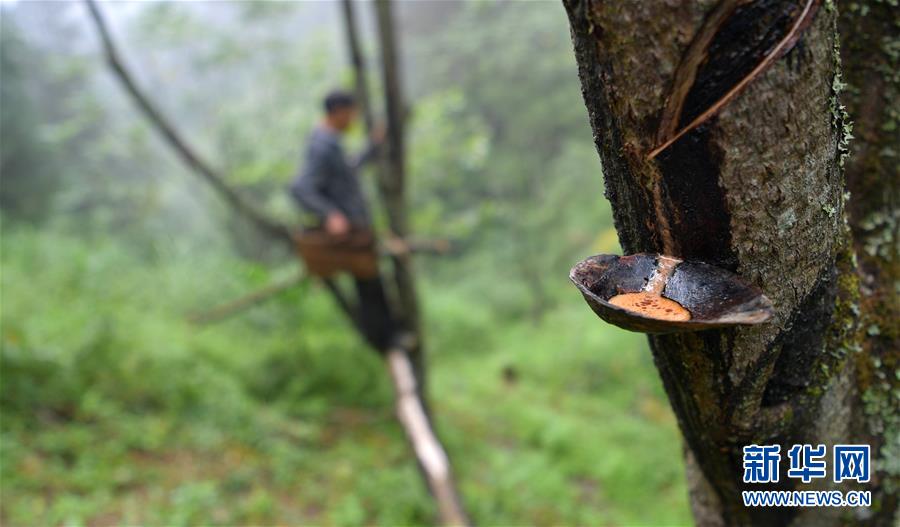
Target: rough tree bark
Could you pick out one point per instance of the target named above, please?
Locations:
(756, 187)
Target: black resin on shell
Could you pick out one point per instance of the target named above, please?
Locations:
(715, 297)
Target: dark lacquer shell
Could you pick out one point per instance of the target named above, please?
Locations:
(715, 297)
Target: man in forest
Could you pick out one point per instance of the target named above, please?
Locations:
(328, 187)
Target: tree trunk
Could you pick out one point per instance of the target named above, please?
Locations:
(406, 365)
(754, 185)
(392, 182)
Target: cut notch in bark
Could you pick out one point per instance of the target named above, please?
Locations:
(714, 297)
(687, 70)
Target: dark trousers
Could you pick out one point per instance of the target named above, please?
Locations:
(374, 312)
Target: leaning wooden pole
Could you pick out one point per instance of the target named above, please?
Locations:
(429, 453)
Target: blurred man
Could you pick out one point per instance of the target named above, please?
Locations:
(328, 187)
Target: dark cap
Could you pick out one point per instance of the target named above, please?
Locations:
(337, 99)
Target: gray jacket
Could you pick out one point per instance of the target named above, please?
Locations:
(328, 182)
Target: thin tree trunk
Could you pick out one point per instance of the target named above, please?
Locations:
(393, 183)
(406, 366)
(360, 74)
(361, 87)
(754, 187)
(247, 301)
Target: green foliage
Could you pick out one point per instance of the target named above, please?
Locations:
(115, 409)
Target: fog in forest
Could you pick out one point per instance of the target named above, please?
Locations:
(122, 404)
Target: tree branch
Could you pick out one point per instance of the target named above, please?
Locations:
(193, 161)
(173, 138)
(394, 246)
(246, 301)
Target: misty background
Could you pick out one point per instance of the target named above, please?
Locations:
(117, 409)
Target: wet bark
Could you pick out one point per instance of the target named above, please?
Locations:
(756, 188)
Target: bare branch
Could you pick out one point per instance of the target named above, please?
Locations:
(173, 138)
(394, 246)
(193, 161)
(249, 300)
